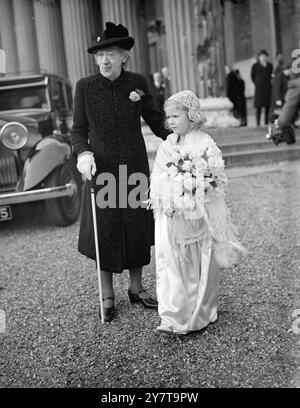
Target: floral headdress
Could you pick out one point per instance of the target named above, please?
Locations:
(192, 103)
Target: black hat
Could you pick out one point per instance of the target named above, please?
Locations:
(112, 35)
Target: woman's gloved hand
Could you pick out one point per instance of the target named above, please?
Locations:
(86, 164)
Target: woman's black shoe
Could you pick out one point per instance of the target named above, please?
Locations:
(148, 302)
(108, 311)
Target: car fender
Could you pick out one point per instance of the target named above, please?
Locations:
(44, 157)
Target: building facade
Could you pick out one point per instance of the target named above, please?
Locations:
(195, 39)
(253, 25)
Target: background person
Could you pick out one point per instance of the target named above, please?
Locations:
(166, 82)
(158, 89)
(241, 100)
(279, 89)
(261, 75)
(232, 88)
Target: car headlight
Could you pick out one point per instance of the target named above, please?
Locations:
(14, 135)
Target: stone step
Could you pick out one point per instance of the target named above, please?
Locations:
(221, 136)
(246, 145)
(227, 138)
(253, 157)
(262, 156)
(240, 146)
(242, 131)
(224, 133)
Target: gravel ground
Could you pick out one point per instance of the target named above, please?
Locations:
(54, 338)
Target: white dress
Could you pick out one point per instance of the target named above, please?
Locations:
(187, 286)
(187, 289)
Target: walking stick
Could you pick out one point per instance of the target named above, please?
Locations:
(97, 253)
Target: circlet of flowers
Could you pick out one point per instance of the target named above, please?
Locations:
(191, 175)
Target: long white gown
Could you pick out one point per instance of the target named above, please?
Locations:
(187, 289)
(188, 286)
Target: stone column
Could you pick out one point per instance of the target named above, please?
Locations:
(49, 37)
(25, 36)
(79, 33)
(296, 24)
(263, 26)
(179, 37)
(229, 33)
(7, 36)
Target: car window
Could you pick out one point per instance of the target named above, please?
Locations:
(34, 97)
(69, 96)
(58, 97)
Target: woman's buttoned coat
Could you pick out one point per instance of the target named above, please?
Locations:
(108, 123)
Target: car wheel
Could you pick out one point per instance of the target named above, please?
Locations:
(64, 210)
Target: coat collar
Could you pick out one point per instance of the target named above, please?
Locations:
(113, 84)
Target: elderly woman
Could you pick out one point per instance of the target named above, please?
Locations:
(107, 136)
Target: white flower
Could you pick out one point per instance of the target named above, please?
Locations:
(189, 183)
(177, 185)
(189, 202)
(200, 182)
(216, 162)
(164, 176)
(196, 154)
(206, 183)
(134, 96)
(175, 157)
(213, 151)
(185, 152)
(178, 179)
(172, 170)
(219, 191)
(209, 188)
(201, 165)
(186, 165)
(178, 202)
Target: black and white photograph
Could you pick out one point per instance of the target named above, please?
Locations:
(149, 197)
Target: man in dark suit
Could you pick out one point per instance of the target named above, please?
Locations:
(107, 138)
(261, 75)
(232, 89)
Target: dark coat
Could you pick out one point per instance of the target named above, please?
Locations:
(292, 103)
(235, 91)
(108, 123)
(279, 88)
(232, 88)
(261, 77)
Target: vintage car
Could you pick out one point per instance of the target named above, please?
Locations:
(36, 160)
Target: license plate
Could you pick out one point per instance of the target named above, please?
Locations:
(5, 213)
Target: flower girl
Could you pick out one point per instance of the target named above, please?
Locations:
(194, 234)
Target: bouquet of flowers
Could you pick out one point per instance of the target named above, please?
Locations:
(190, 177)
(189, 185)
